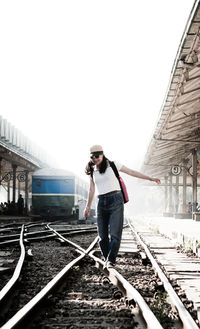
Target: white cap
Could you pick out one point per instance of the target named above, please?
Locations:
(96, 148)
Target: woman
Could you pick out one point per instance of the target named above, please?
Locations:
(110, 209)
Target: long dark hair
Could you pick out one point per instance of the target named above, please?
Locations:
(89, 169)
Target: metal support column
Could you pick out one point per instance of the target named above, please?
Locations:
(184, 205)
(26, 193)
(8, 195)
(14, 183)
(194, 180)
(0, 169)
(19, 188)
(166, 193)
(170, 194)
(177, 194)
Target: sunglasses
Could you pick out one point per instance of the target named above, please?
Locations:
(95, 155)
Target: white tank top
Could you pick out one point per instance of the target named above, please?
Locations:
(107, 182)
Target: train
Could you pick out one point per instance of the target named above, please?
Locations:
(59, 193)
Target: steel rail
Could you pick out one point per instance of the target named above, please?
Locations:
(77, 226)
(74, 230)
(187, 320)
(117, 279)
(67, 232)
(35, 224)
(9, 236)
(10, 229)
(92, 245)
(62, 230)
(10, 284)
(69, 227)
(12, 226)
(18, 227)
(66, 240)
(17, 321)
(2, 230)
(50, 236)
(37, 237)
(30, 234)
(7, 242)
(74, 244)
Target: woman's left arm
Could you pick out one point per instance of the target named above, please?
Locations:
(138, 174)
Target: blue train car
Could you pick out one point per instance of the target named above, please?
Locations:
(57, 193)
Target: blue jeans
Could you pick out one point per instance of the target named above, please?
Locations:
(110, 216)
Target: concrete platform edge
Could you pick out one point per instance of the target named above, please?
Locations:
(184, 232)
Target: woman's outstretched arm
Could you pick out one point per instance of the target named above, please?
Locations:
(138, 174)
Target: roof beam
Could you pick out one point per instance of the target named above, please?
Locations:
(178, 140)
(182, 124)
(185, 113)
(164, 155)
(184, 118)
(169, 152)
(188, 101)
(188, 135)
(189, 91)
(182, 127)
(192, 78)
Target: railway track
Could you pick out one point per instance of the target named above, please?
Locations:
(156, 246)
(86, 298)
(32, 274)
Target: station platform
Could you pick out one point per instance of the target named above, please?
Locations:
(184, 232)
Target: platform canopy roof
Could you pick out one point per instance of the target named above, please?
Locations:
(19, 151)
(177, 131)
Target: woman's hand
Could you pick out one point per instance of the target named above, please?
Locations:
(157, 180)
(87, 211)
